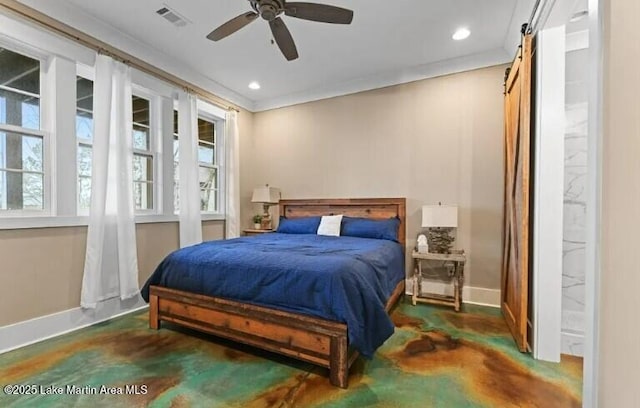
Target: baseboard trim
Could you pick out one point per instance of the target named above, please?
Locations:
(481, 296)
(471, 295)
(572, 344)
(42, 328)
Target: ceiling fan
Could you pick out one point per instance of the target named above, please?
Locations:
(270, 10)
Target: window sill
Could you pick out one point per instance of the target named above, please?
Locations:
(14, 223)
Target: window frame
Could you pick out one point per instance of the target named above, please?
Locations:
(218, 160)
(87, 73)
(216, 115)
(47, 112)
(154, 148)
(175, 165)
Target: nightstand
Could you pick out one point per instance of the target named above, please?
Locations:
(456, 274)
(249, 232)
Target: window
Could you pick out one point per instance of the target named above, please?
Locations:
(84, 134)
(22, 144)
(176, 170)
(46, 142)
(142, 154)
(208, 165)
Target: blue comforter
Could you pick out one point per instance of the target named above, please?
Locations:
(343, 279)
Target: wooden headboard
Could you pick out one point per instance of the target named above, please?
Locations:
(376, 208)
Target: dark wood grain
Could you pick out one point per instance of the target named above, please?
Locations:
(154, 321)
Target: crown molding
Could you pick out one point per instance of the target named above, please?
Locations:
(452, 66)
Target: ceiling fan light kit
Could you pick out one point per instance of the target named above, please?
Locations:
(270, 10)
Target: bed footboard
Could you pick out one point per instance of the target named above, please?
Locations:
(318, 341)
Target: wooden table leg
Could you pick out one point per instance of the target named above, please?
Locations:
(456, 291)
(416, 282)
(460, 281)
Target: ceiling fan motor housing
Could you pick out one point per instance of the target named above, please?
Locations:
(268, 9)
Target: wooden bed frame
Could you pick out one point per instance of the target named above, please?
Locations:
(315, 340)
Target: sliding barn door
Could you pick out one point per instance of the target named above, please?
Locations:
(515, 267)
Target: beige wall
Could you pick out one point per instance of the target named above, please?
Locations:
(41, 272)
(619, 373)
(42, 267)
(245, 123)
(435, 140)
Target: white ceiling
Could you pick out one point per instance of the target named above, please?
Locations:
(388, 42)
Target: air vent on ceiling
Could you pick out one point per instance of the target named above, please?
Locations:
(172, 16)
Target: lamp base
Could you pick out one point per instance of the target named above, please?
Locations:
(440, 240)
(265, 224)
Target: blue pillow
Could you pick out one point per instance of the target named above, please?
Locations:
(303, 225)
(370, 228)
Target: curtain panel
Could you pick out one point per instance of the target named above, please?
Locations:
(189, 183)
(232, 216)
(111, 261)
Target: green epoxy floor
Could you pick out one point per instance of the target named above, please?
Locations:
(436, 358)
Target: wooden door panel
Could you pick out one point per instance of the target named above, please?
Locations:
(516, 200)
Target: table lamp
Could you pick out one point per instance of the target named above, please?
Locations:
(267, 196)
(440, 221)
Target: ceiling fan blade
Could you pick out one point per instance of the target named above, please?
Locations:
(232, 26)
(319, 12)
(283, 38)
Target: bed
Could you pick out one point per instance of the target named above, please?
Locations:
(311, 328)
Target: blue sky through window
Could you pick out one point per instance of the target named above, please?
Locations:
(31, 115)
(84, 127)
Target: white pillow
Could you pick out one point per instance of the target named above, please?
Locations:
(330, 225)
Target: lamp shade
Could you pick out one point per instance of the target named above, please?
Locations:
(266, 195)
(444, 216)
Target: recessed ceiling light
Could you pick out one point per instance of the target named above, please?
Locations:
(461, 34)
(254, 85)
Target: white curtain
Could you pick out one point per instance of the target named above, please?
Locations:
(232, 217)
(111, 262)
(190, 219)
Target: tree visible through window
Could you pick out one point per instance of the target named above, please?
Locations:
(208, 171)
(176, 159)
(142, 155)
(143, 169)
(21, 141)
(208, 165)
(84, 133)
